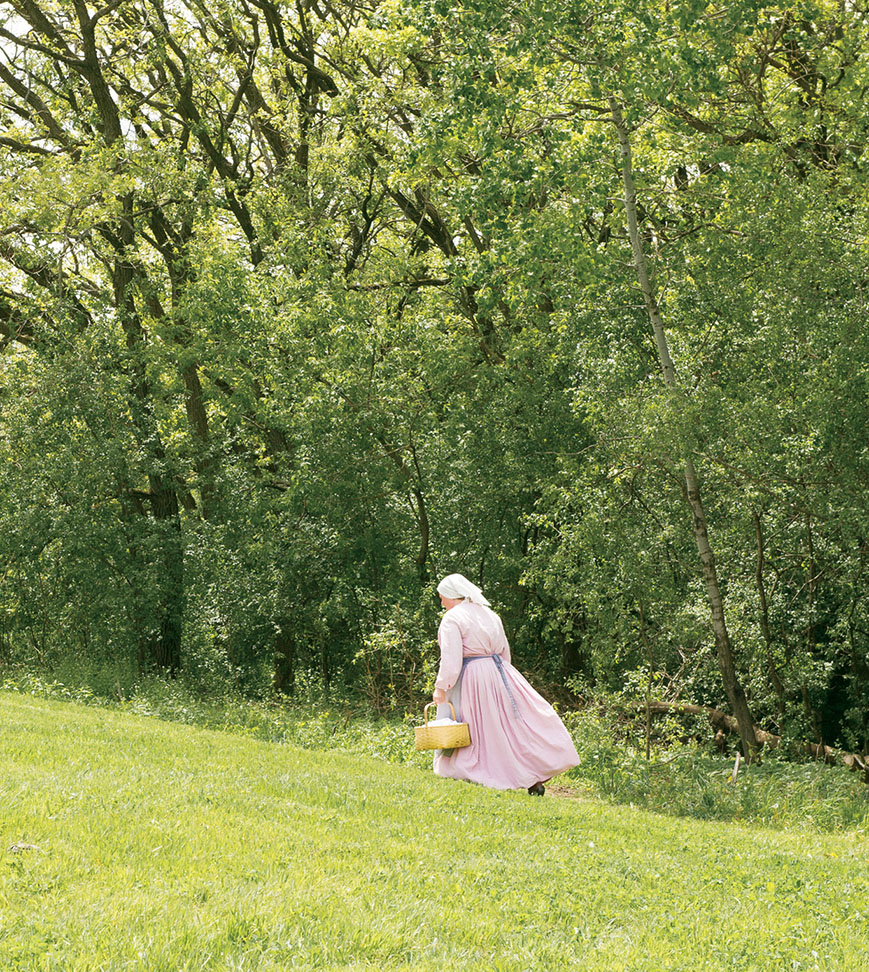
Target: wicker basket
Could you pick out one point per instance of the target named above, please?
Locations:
(442, 737)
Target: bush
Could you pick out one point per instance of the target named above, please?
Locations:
(685, 780)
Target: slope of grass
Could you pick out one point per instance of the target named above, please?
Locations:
(680, 779)
(159, 846)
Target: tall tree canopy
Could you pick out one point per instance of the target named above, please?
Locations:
(303, 303)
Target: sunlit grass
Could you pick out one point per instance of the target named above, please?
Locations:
(159, 846)
(682, 779)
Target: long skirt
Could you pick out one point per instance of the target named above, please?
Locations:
(517, 739)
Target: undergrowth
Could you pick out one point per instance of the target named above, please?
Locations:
(678, 779)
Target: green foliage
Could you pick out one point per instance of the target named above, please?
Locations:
(303, 306)
(685, 780)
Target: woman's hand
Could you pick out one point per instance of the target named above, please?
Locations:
(439, 696)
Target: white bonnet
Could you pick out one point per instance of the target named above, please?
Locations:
(458, 586)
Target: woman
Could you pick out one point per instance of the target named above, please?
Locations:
(517, 740)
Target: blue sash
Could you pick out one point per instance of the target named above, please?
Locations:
(500, 665)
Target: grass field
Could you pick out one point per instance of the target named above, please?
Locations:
(158, 846)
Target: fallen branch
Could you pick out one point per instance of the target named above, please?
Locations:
(725, 723)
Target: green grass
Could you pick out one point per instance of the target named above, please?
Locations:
(680, 779)
(163, 846)
(687, 780)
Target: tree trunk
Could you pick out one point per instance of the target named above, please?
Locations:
(284, 675)
(173, 244)
(859, 665)
(163, 651)
(644, 635)
(774, 677)
(166, 647)
(725, 723)
(732, 684)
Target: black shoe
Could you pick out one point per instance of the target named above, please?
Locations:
(537, 790)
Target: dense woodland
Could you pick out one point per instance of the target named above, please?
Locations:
(305, 303)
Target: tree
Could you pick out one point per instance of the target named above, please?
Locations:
(305, 304)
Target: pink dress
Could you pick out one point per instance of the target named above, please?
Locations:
(517, 739)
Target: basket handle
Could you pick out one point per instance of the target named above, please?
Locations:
(450, 704)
